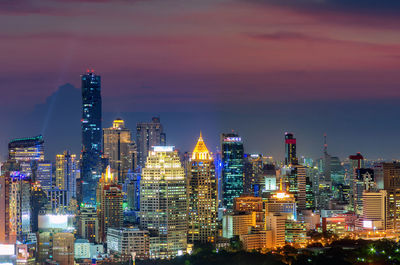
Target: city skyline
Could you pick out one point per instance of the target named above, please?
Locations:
(218, 66)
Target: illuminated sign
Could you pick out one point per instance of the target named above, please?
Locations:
(232, 139)
(50, 221)
(7, 249)
(290, 141)
(163, 148)
(367, 224)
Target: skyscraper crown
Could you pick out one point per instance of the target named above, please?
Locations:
(200, 152)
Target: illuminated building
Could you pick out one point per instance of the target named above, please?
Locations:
(247, 203)
(202, 196)
(91, 137)
(374, 210)
(44, 175)
(119, 148)
(26, 151)
(39, 202)
(232, 168)
(88, 224)
(163, 202)
(148, 134)
(85, 250)
(236, 224)
(363, 181)
(16, 214)
(275, 222)
(253, 179)
(109, 203)
(336, 225)
(290, 150)
(66, 171)
(391, 183)
(57, 201)
(125, 241)
(297, 181)
(63, 248)
(295, 232)
(257, 240)
(282, 203)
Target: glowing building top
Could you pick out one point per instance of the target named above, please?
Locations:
(118, 124)
(200, 152)
(107, 177)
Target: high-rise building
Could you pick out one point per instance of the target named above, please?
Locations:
(109, 203)
(232, 168)
(119, 148)
(66, 171)
(375, 210)
(88, 224)
(91, 136)
(290, 149)
(202, 196)
(276, 223)
(163, 203)
(125, 241)
(38, 204)
(44, 175)
(63, 248)
(26, 151)
(148, 134)
(15, 203)
(391, 183)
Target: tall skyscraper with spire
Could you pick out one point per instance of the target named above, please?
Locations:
(91, 136)
(202, 196)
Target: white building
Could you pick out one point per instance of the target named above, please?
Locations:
(125, 241)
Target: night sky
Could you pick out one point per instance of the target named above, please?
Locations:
(260, 67)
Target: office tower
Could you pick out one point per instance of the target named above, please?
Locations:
(202, 196)
(88, 224)
(26, 151)
(296, 232)
(163, 202)
(148, 134)
(91, 137)
(109, 203)
(391, 183)
(281, 202)
(290, 149)
(296, 182)
(119, 148)
(57, 201)
(38, 203)
(276, 223)
(66, 171)
(253, 165)
(232, 168)
(44, 175)
(375, 210)
(357, 161)
(363, 181)
(63, 248)
(125, 241)
(236, 224)
(252, 205)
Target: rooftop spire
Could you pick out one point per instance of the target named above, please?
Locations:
(200, 152)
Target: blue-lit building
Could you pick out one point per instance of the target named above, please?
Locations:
(232, 168)
(91, 137)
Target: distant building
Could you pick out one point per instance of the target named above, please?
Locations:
(163, 203)
(120, 149)
(202, 196)
(148, 134)
(290, 149)
(91, 136)
(375, 210)
(391, 183)
(109, 203)
(276, 223)
(27, 152)
(257, 240)
(125, 241)
(83, 249)
(66, 173)
(236, 224)
(88, 224)
(44, 175)
(232, 168)
(63, 248)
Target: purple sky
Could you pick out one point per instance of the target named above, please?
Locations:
(207, 56)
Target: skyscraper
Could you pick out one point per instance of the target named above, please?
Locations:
(119, 148)
(109, 203)
(290, 149)
(148, 134)
(203, 196)
(91, 136)
(44, 175)
(26, 151)
(163, 203)
(232, 168)
(66, 170)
